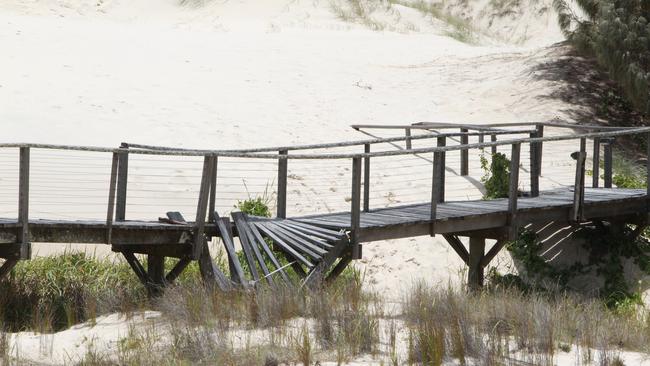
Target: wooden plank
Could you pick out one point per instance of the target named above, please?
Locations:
(246, 245)
(286, 247)
(213, 189)
(342, 264)
(137, 267)
(496, 248)
(608, 162)
(122, 183)
(202, 205)
(534, 175)
(475, 273)
(260, 241)
(111, 198)
(315, 276)
(293, 240)
(513, 190)
(23, 203)
(464, 154)
(355, 209)
(540, 147)
(178, 268)
(210, 273)
(579, 186)
(327, 234)
(437, 185)
(457, 246)
(366, 179)
(7, 266)
(407, 132)
(595, 168)
(282, 185)
(442, 142)
(319, 243)
(244, 232)
(226, 237)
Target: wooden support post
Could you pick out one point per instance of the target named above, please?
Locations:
(493, 138)
(111, 198)
(539, 150)
(408, 138)
(355, 216)
(648, 171)
(202, 206)
(437, 185)
(464, 154)
(475, 273)
(608, 163)
(7, 266)
(366, 179)
(579, 186)
(496, 248)
(481, 139)
(534, 176)
(458, 247)
(213, 190)
(595, 168)
(122, 182)
(23, 204)
(442, 141)
(282, 186)
(513, 191)
(156, 272)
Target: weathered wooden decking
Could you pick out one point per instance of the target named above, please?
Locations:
(318, 247)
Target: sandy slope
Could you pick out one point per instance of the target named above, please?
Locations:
(232, 74)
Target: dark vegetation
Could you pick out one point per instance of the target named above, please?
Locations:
(617, 34)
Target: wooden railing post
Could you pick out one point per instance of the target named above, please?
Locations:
(366, 179)
(464, 154)
(407, 132)
(579, 187)
(202, 206)
(437, 187)
(608, 162)
(539, 149)
(122, 182)
(283, 165)
(23, 203)
(513, 191)
(534, 175)
(442, 142)
(213, 190)
(595, 180)
(648, 172)
(493, 138)
(355, 211)
(112, 186)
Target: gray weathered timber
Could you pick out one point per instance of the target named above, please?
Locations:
(23, 204)
(282, 186)
(355, 216)
(514, 190)
(595, 169)
(202, 206)
(458, 247)
(579, 186)
(476, 252)
(407, 134)
(122, 182)
(464, 154)
(366, 179)
(608, 162)
(111, 198)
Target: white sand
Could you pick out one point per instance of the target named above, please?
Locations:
(235, 74)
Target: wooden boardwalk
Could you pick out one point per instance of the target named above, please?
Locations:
(318, 247)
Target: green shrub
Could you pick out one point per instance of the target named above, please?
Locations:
(497, 176)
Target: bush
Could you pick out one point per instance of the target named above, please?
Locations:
(617, 33)
(497, 176)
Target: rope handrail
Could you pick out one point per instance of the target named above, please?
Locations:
(235, 154)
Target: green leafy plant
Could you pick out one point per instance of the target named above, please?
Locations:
(497, 176)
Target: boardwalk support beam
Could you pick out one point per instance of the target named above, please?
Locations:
(476, 252)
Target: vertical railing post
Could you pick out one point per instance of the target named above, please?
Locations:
(595, 168)
(283, 166)
(366, 179)
(534, 175)
(213, 190)
(539, 149)
(437, 187)
(23, 203)
(122, 181)
(202, 205)
(407, 132)
(608, 162)
(442, 142)
(647, 141)
(513, 190)
(493, 138)
(112, 186)
(579, 186)
(464, 154)
(355, 210)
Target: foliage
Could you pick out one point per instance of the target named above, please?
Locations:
(257, 206)
(497, 176)
(617, 33)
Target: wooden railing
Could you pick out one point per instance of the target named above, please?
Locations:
(360, 168)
